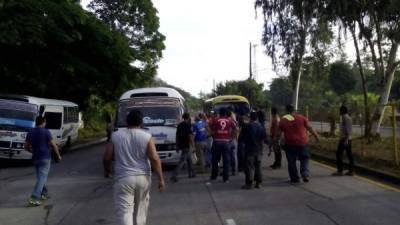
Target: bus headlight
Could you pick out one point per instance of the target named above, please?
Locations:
(18, 145)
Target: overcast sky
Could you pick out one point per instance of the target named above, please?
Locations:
(208, 40)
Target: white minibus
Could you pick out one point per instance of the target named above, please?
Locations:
(162, 110)
(17, 118)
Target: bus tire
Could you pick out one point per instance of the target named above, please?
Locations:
(67, 145)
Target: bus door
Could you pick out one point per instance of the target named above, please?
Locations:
(54, 122)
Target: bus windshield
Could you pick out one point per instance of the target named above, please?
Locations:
(239, 108)
(157, 115)
(18, 116)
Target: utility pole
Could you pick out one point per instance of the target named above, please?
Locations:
(214, 90)
(250, 64)
(255, 62)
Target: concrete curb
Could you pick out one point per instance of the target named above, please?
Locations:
(87, 144)
(360, 169)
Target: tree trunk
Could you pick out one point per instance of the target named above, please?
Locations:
(384, 97)
(299, 67)
(367, 130)
(380, 108)
(295, 99)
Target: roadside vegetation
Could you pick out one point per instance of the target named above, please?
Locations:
(378, 156)
(56, 49)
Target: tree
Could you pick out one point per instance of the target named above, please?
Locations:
(290, 26)
(55, 49)
(341, 78)
(280, 91)
(376, 25)
(138, 21)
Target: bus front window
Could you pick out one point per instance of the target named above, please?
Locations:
(18, 116)
(239, 108)
(152, 116)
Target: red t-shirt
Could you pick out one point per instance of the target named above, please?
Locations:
(294, 129)
(222, 127)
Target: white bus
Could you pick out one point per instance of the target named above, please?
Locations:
(162, 110)
(17, 118)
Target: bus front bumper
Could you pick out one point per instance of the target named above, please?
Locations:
(169, 157)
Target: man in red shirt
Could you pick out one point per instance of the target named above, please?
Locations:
(221, 128)
(295, 127)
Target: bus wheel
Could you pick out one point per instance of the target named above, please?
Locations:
(67, 145)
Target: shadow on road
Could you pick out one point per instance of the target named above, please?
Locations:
(5, 163)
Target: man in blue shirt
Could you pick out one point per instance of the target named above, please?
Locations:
(38, 142)
(200, 139)
(254, 136)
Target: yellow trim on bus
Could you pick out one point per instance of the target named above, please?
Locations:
(227, 98)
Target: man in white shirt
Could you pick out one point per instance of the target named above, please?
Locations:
(344, 144)
(132, 150)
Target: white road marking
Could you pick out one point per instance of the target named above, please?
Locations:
(230, 222)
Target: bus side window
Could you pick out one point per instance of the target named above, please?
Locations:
(66, 114)
(71, 115)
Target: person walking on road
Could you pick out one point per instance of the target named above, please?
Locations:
(184, 141)
(200, 139)
(38, 142)
(295, 127)
(261, 117)
(344, 144)
(254, 135)
(133, 150)
(240, 149)
(275, 142)
(222, 128)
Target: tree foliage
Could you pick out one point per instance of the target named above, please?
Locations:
(55, 49)
(292, 28)
(341, 77)
(376, 25)
(280, 92)
(138, 21)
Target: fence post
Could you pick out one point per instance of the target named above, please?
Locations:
(396, 154)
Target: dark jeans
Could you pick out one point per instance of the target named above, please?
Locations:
(233, 156)
(277, 154)
(252, 169)
(300, 152)
(240, 156)
(339, 155)
(220, 149)
(185, 159)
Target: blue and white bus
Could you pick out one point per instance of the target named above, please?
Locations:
(17, 118)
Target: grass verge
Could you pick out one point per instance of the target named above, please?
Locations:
(379, 155)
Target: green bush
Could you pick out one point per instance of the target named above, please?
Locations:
(94, 118)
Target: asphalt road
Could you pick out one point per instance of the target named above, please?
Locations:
(81, 196)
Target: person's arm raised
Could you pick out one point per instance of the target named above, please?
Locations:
(156, 164)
